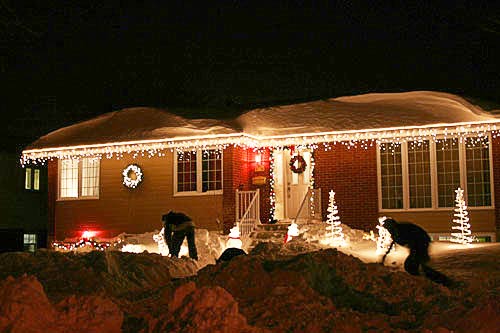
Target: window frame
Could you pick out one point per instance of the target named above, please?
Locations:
(30, 242)
(35, 175)
(80, 173)
(434, 177)
(199, 174)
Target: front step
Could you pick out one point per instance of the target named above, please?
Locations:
(273, 232)
(272, 227)
(268, 233)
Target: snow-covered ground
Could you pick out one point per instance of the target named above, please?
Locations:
(302, 286)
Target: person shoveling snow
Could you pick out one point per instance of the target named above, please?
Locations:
(417, 240)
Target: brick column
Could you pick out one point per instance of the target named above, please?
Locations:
(495, 152)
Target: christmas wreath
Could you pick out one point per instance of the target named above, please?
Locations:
(297, 164)
(132, 176)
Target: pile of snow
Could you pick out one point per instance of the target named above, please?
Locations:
(300, 286)
(26, 308)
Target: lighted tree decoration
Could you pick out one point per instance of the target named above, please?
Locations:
(463, 235)
(384, 239)
(162, 244)
(234, 239)
(334, 228)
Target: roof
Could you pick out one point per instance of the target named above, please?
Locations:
(361, 113)
(130, 125)
(368, 116)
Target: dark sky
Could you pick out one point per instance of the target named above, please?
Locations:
(65, 61)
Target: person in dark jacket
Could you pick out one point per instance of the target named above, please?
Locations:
(417, 240)
(177, 227)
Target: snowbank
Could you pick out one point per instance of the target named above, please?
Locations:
(301, 286)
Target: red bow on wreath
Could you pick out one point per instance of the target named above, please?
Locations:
(298, 164)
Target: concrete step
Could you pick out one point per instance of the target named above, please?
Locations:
(261, 234)
(272, 227)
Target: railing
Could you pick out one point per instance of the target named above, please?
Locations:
(247, 211)
(310, 207)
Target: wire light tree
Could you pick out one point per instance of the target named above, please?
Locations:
(460, 230)
(384, 239)
(334, 229)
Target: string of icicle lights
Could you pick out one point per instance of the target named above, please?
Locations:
(350, 139)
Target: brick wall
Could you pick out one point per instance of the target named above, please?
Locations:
(265, 189)
(239, 169)
(51, 198)
(496, 180)
(352, 174)
(235, 167)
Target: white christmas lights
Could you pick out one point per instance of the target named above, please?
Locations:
(352, 138)
(461, 220)
(272, 193)
(335, 235)
(384, 239)
(132, 182)
(159, 238)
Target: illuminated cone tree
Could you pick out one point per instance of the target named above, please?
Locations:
(460, 230)
(384, 239)
(334, 233)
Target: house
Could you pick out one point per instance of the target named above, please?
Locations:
(23, 202)
(395, 154)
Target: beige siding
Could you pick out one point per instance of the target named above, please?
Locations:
(120, 209)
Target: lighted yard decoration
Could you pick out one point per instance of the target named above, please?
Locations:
(335, 235)
(162, 244)
(384, 239)
(132, 176)
(86, 242)
(293, 231)
(234, 238)
(461, 224)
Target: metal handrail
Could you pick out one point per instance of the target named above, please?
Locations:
(316, 194)
(251, 216)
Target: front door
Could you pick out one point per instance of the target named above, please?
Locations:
(290, 187)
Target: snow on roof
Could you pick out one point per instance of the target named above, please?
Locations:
(132, 124)
(361, 113)
(363, 117)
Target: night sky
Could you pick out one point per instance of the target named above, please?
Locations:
(62, 62)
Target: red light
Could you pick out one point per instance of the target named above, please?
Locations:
(87, 234)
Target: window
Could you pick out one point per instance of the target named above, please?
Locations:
(32, 179)
(90, 177)
(478, 172)
(419, 174)
(79, 178)
(29, 241)
(212, 170)
(391, 176)
(198, 171)
(448, 171)
(425, 174)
